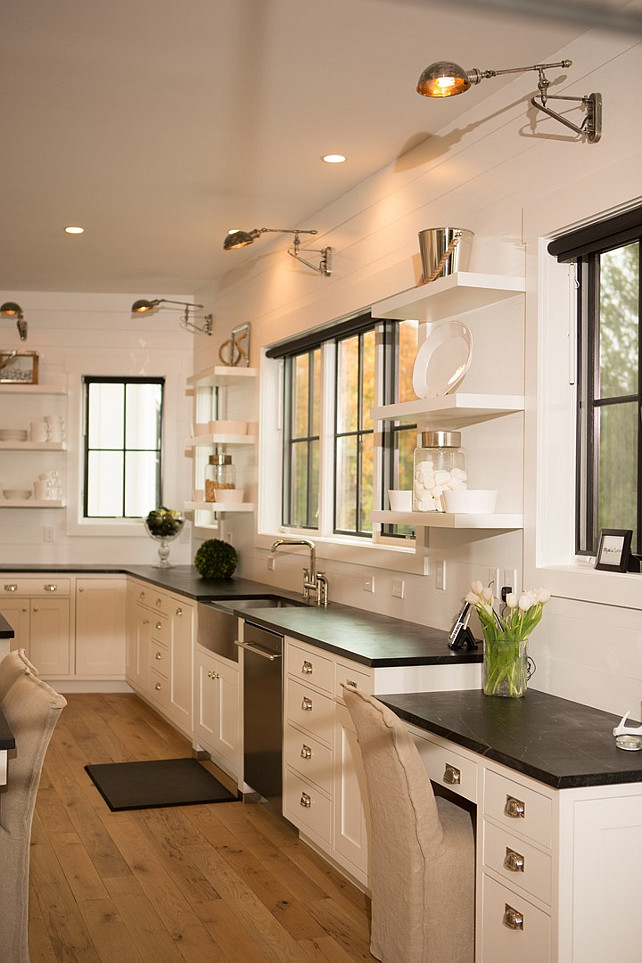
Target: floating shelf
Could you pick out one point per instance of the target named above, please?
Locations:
(206, 441)
(455, 294)
(451, 411)
(448, 520)
(15, 389)
(216, 507)
(33, 446)
(220, 376)
(31, 503)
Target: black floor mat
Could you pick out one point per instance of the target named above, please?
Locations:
(157, 783)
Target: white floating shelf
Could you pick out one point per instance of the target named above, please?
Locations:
(220, 376)
(14, 389)
(451, 411)
(206, 441)
(33, 445)
(31, 503)
(219, 507)
(455, 294)
(448, 520)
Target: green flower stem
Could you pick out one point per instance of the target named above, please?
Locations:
(505, 666)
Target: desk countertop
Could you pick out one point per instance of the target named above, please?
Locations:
(6, 736)
(561, 743)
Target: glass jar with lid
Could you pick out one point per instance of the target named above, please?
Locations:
(219, 473)
(439, 465)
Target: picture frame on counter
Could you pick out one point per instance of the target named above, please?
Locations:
(19, 367)
(614, 550)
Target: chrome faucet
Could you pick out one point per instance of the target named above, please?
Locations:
(313, 581)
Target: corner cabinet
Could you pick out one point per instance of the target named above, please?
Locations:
(215, 391)
(21, 404)
(439, 300)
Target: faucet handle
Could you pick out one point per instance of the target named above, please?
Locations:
(322, 589)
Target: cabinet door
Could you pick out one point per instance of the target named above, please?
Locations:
(17, 612)
(138, 643)
(350, 840)
(50, 647)
(217, 709)
(100, 627)
(181, 647)
(206, 712)
(228, 714)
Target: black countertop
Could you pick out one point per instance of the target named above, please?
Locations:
(561, 743)
(6, 736)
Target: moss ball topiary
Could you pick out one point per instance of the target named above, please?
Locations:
(216, 559)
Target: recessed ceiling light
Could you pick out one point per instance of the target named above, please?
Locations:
(74, 230)
(333, 158)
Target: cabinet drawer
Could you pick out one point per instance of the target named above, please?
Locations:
(310, 667)
(160, 628)
(159, 660)
(310, 710)
(306, 806)
(517, 862)
(309, 757)
(346, 674)
(448, 768)
(35, 587)
(518, 808)
(155, 600)
(528, 939)
(159, 689)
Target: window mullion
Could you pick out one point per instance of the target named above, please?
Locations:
(326, 440)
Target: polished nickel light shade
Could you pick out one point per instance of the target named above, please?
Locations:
(13, 310)
(446, 79)
(142, 306)
(236, 239)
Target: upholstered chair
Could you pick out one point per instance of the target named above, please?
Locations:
(13, 665)
(32, 709)
(422, 850)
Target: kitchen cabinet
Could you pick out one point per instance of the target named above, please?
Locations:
(213, 390)
(41, 613)
(100, 627)
(21, 404)
(217, 709)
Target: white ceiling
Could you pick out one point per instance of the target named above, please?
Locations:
(159, 124)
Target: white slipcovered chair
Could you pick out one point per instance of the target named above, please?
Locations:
(13, 665)
(422, 849)
(32, 709)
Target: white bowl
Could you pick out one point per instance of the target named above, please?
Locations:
(233, 496)
(19, 494)
(228, 427)
(470, 501)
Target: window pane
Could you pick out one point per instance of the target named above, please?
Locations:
(301, 396)
(106, 406)
(315, 428)
(105, 484)
(299, 487)
(406, 444)
(408, 344)
(313, 494)
(619, 328)
(618, 456)
(368, 379)
(367, 482)
(142, 416)
(346, 474)
(348, 384)
(141, 472)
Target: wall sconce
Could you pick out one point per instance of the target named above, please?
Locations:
(235, 239)
(141, 306)
(446, 79)
(13, 310)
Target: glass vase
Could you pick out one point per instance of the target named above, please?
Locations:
(505, 667)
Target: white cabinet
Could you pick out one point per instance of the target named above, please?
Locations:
(41, 613)
(100, 627)
(217, 709)
(21, 404)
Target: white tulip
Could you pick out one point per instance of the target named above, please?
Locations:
(512, 600)
(477, 587)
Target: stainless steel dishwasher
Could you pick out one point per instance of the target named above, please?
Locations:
(263, 712)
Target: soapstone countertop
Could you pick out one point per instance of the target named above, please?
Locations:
(561, 743)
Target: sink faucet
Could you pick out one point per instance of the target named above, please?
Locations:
(313, 581)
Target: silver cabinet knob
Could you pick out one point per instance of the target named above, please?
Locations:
(157, 686)
(50, 587)
(513, 861)
(306, 752)
(159, 625)
(514, 808)
(11, 588)
(159, 656)
(512, 918)
(305, 800)
(306, 668)
(306, 705)
(452, 775)
(179, 612)
(353, 685)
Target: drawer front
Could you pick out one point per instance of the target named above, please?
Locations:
(513, 929)
(518, 808)
(310, 710)
(155, 600)
(160, 628)
(36, 587)
(346, 674)
(309, 757)
(309, 667)
(159, 689)
(159, 660)
(307, 807)
(517, 862)
(448, 768)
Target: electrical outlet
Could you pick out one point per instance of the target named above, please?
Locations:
(48, 533)
(369, 584)
(271, 563)
(398, 588)
(440, 574)
(493, 579)
(510, 579)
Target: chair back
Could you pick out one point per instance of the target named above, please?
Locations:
(11, 667)
(422, 852)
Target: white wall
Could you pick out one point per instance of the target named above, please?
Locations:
(76, 335)
(510, 175)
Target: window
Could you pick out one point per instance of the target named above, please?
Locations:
(123, 432)
(609, 427)
(302, 439)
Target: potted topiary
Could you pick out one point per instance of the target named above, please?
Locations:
(216, 559)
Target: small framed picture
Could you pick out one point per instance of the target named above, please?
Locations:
(614, 550)
(19, 367)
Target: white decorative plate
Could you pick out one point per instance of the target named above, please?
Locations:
(442, 360)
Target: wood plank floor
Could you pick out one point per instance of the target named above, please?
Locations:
(228, 883)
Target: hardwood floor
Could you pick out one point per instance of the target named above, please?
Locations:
(227, 883)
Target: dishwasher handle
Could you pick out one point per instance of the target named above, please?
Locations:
(259, 650)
